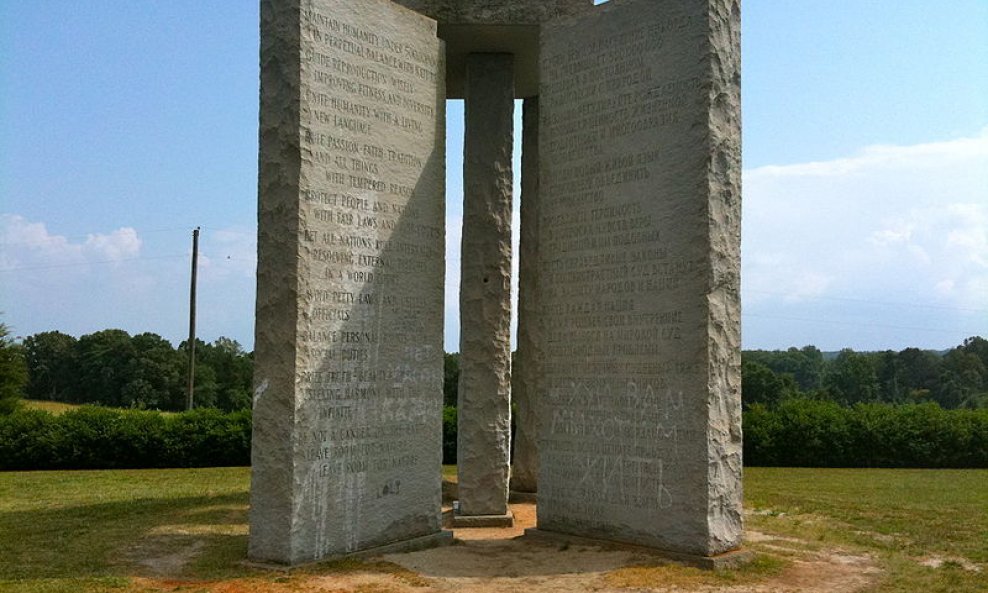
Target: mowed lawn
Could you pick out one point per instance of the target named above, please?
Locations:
(928, 529)
(105, 530)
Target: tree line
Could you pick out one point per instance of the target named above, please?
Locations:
(112, 368)
(956, 378)
(144, 371)
(803, 407)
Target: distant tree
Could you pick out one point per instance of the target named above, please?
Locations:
(52, 365)
(104, 358)
(224, 374)
(153, 375)
(451, 378)
(234, 373)
(851, 378)
(888, 371)
(978, 346)
(759, 385)
(962, 379)
(919, 373)
(805, 365)
(13, 372)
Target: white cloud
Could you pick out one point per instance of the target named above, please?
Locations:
(29, 244)
(927, 156)
(119, 279)
(119, 245)
(886, 235)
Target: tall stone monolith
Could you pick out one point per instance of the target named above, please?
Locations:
(346, 449)
(484, 408)
(640, 204)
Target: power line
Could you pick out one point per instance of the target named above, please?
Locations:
(88, 235)
(869, 301)
(856, 324)
(89, 263)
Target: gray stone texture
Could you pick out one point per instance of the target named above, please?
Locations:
(640, 242)
(494, 26)
(495, 12)
(348, 375)
(484, 418)
(482, 521)
(526, 374)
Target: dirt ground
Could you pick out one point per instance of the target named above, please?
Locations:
(503, 560)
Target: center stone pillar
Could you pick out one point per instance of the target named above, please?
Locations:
(484, 425)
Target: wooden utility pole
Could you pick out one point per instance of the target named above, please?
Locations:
(192, 319)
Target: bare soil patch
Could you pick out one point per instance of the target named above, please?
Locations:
(503, 561)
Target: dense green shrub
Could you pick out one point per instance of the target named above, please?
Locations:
(103, 438)
(810, 433)
(449, 435)
(795, 433)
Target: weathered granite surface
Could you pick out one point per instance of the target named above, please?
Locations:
(494, 26)
(348, 375)
(526, 375)
(484, 407)
(639, 240)
(495, 12)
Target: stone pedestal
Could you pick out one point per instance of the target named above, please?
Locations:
(484, 416)
(526, 374)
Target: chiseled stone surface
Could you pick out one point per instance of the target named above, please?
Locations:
(494, 26)
(639, 239)
(495, 12)
(526, 373)
(348, 376)
(484, 418)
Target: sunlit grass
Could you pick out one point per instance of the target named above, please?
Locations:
(58, 408)
(899, 516)
(47, 406)
(96, 531)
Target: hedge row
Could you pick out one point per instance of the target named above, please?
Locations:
(809, 433)
(103, 438)
(796, 433)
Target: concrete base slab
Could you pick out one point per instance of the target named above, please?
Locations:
(470, 521)
(528, 497)
(435, 540)
(723, 561)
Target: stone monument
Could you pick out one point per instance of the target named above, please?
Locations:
(640, 257)
(346, 449)
(630, 270)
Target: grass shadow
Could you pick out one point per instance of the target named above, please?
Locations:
(110, 539)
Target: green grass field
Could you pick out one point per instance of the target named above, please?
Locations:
(61, 407)
(95, 531)
(47, 406)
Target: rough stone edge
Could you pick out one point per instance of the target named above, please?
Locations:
(722, 57)
(526, 372)
(472, 521)
(727, 560)
(276, 300)
(484, 387)
(433, 540)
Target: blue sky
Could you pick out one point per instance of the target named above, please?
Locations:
(125, 124)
